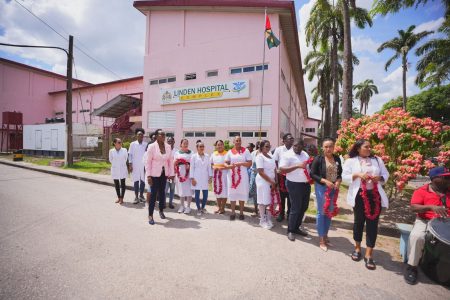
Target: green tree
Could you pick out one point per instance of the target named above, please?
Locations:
(365, 91)
(433, 103)
(402, 45)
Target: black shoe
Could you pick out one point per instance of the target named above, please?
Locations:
(301, 232)
(410, 275)
(241, 217)
(161, 215)
(291, 236)
(232, 217)
(171, 206)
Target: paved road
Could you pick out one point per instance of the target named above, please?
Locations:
(66, 239)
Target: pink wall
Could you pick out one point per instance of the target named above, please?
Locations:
(94, 97)
(25, 89)
(178, 42)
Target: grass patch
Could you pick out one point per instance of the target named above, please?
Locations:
(38, 161)
(91, 167)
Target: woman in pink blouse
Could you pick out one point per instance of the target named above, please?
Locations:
(159, 168)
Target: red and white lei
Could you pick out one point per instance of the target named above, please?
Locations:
(235, 171)
(305, 170)
(376, 200)
(218, 181)
(178, 162)
(275, 202)
(326, 205)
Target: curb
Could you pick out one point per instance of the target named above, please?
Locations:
(382, 230)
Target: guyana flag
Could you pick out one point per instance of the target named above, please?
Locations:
(272, 40)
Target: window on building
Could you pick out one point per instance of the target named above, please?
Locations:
(190, 76)
(212, 73)
(84, 110)
(210, 134)
(153, 82)
(310, 129)
(171, 79)
(59, 113)
(236, 70)
(164, 80)
(260, 134)
(260, 67)
(189, 134)
(247, 134)
(170, 134)
(249, 69)
(232, 134)
(199, 134)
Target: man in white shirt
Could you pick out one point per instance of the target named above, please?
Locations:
(136, 165)
(170, 184)
(293, 164)
(288, 140)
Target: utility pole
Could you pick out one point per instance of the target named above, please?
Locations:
(69, 150)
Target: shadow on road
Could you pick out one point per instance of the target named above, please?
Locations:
(131, 205)
(181, 224)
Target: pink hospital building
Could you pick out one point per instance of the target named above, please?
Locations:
(203, 67)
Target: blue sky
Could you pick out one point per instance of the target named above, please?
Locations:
(121, 49)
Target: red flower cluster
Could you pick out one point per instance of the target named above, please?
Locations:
(218, 181)
(178, 162)
(305, 170)
(404, 143)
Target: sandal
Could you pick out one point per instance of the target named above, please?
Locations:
(323, 246)
(356, 256)
(217, 211)
(118, 200)
(370, 264)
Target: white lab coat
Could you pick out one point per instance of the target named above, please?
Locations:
(118, 160)
(201, 171)
(135, 157)
(352, 166)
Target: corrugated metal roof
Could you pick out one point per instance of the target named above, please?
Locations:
(117, 106)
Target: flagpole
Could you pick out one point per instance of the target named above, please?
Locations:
(263, 69)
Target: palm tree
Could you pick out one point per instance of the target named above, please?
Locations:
(316, 98)
(361, 18)
(317, 64)
(402, 45)
(434, 66)
(323, 26)
(365, 91)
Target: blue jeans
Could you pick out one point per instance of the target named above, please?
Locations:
(323, 222)
(139, 188)
(170, 186)
(197, 198)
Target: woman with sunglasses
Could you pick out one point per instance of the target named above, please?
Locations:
(118, 157)
(159, 168)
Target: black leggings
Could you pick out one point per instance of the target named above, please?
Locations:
(360, 219)
(120, 190)
(158, 188)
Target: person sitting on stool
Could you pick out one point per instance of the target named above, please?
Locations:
(429, 201)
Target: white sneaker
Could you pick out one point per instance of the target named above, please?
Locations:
(269, 222)
(263, 222)
(204, 211)
(181, 210)
(199, 212)
(187, 210)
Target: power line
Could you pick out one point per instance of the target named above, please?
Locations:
(79, 49)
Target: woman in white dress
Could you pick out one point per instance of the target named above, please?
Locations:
(265, 182)
(118, 158)
(182, 162)
(200, 174)
(238, 160)
(220, 176)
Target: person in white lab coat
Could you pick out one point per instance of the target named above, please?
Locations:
(201, 175)
(118, 157)
(136, 165)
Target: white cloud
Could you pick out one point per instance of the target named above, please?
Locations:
(361, 44)
(429, 26)
(98, 29)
